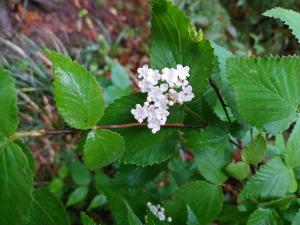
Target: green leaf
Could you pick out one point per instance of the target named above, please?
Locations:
(133, 176)
(56, 186)
(63, 171)
(267, 90)
(191, 219)
(289, 17)
(102, 147)
(86, 220)
(113, 92)
(28, 154)
(77, 94)
(78, 195)
(271, 181)
(204, 199)
(264, 217)
(80, 173)
(131, 217)
(172, 44)
(46, 209)
(254, 152)
(119, 76)
(97, 201)
(119, 111)
(296, 219)
(16, 180)
(212, 138)
(8, 104)
(239, 170)
(281, 203)
(142, 147)
(211, 165)
(292, 150)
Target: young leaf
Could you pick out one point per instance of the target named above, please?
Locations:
(16, 180)
(102, 147)
(267, 90)
(86, 220)
(8, 104)
(97, 201)
(77, 94)
(46, 209)
(78, 195)
(289, 17)
(204, 199)
(271, 181)
(254, 152)
(239, 170)
(292, 151)
(211, 164)
(173, 44)
(264, 217)
(80, 173)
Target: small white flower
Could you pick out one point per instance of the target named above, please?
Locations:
(139, 113)
(169, 219)
(186, 95)
(143, 71)
(163, 90)
(164, 87)
(153, 76)
(183, 72)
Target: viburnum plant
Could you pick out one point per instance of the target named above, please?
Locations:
(221, 144)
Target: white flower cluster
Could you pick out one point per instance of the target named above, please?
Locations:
(159, 212)
(164, 90)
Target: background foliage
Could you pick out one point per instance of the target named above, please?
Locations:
(243, 168)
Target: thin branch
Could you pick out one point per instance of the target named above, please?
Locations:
(177, 125)
(216, 89)
(43, 132)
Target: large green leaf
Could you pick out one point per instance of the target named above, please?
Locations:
(119, 111)
(254, 152)
(264, 217)
(289, 17)
(142, 147)
(267, 90)
(16, 180)
(271, 181)
(77, 94)
(292, 151)
(173, 43)
(8, 104)
(204, 199)
(102, 147)
(214, 138)
(46, 209)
